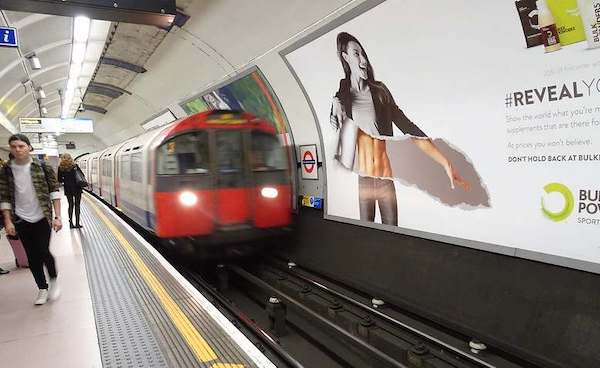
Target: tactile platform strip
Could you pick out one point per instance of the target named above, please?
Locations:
(174, 349)
(124, 335)
(120, 285)
(227, 349)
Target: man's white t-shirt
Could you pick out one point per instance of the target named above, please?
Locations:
(27, 205)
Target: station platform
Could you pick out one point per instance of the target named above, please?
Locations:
(122, 305)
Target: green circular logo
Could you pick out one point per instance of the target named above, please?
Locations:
(569, 202)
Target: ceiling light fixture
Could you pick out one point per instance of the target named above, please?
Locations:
(75, 71)
(44, 110)
(78, 53)
(71, 84)
(84, 31)
(81, 29)
(81, 34)
(69, 94)
(41, 92)
(34, 62)
(67, 101)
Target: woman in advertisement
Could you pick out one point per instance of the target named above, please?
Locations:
(364, 110)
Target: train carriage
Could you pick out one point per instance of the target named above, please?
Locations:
(93, 171)
(107, 174)
(214, 177)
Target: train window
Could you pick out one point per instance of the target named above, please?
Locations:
(229, 151)
(136, 167)
(184, 154)
(95, 166)
(266, 153)
(109, 169)
(125, 171)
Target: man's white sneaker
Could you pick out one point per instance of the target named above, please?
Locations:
(42, 297)
(53, 290)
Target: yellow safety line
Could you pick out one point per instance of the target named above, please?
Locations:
(195, 341)
(227, 365)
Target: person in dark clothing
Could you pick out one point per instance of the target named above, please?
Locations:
(29, 194)
(66, 175)
(2, 271)
(365, 106)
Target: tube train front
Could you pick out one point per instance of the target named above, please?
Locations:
(212, 177)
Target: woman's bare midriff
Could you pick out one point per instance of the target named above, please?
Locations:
(372, 156)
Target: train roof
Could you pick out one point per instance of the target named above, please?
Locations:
(221, 119)
(214, 119)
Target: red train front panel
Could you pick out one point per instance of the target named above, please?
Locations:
(185, 213)
(219, 171)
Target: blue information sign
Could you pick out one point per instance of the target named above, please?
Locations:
(8, 37)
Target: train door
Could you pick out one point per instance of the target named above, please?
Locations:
(271, 186)
(100, 167)
(184, 201)
(94, 176)
(233, 200)
(117, 178)
(108, 169)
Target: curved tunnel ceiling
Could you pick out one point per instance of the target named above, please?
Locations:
(145, 69)
(220, 39)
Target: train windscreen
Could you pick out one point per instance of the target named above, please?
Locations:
(266, 153)
(185, 154)
(229, 151)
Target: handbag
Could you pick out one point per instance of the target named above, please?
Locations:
(80, 178)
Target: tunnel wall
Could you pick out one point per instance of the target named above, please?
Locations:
(541, 311)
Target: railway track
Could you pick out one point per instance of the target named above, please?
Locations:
(319, 323)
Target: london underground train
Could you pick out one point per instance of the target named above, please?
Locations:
(211, 178)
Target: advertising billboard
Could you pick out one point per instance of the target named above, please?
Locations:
(439, 123)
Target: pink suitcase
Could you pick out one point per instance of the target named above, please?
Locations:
(19, 251)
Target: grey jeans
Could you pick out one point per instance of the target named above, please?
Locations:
(372, 191)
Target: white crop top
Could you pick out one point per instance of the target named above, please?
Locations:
(363, 112)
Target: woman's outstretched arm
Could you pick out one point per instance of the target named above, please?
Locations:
(427, 146)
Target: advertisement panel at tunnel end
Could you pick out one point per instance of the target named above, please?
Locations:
(490, 144)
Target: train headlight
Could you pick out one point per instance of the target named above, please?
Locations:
(188, 198)
(269, 192)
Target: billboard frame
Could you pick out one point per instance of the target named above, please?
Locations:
(474, 244)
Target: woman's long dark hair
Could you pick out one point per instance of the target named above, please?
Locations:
(343, 38)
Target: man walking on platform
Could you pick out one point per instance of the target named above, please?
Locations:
(28, 191)
(3, 271)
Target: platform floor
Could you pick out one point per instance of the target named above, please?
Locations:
(60, 333)
(122, 305)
